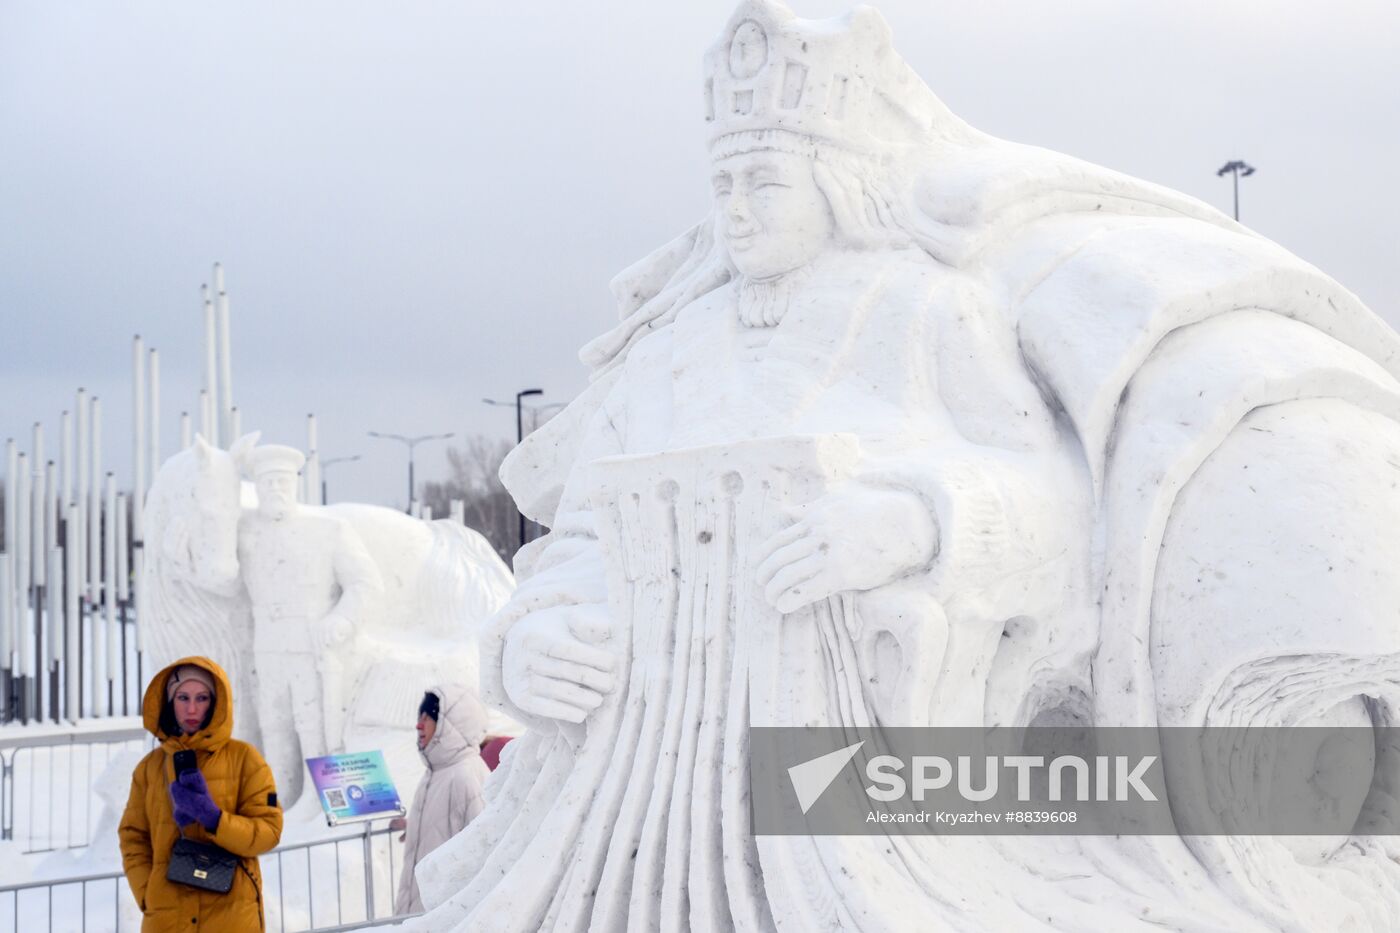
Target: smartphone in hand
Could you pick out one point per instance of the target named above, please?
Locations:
(184, 761)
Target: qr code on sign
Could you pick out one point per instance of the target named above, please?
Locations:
(335, 798)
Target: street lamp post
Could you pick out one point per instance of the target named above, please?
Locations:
(519, 436)
(537, 410)
(410, 442)
(1236, 168)
(330, 463)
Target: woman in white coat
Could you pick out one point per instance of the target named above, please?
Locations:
(451, 725)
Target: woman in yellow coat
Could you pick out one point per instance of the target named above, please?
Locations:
(230, 801)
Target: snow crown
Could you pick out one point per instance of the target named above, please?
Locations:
(837, 80)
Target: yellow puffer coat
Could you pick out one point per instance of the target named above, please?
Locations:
(241, 784)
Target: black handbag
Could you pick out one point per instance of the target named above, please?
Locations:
(201, 865)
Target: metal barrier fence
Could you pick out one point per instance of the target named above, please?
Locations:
(369, 924)
(297, 893)
(46, 784)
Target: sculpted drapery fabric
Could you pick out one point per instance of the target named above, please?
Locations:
(968, 341)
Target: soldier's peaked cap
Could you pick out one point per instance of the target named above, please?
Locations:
(276, 457)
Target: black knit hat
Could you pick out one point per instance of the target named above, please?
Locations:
(429, 706)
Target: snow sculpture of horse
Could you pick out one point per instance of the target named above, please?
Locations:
(441, 581)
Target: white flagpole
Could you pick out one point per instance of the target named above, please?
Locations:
(225, 384)
(123, 545)
(138, 433)
(72, 653)
(141, 412)
(38, 570)
(311, 473)
(64, 493)
(117, 658)
(7, 635)
(95, 505)
(7, 605)
(23, 578)
(38, 530)
(138, 571)
(154, 378)
(112, 586)
(78, 531)
(97, 632)
(51, 510)
(186, 435)
(210, 427)
(53, 623)
(83, 436)
(53, 593)
(206, 417)
(7, 611)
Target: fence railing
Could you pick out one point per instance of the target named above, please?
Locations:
(46, 784)
(368, 924)
(297, 892)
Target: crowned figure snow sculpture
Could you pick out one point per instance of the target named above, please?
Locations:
(923, 427)
(329, 619)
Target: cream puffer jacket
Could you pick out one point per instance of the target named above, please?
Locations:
(449, 795)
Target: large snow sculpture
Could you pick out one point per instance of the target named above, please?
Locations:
(411, 620)
(311, 584)
(923, 427)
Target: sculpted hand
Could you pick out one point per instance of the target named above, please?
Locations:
(552, 665)
(853, 538)
(331, 632)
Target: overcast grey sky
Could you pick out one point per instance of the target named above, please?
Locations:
(420, 204)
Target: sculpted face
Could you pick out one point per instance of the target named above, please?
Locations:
(773, 217)
(277, 493)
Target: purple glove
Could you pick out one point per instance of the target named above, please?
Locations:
(192, 802)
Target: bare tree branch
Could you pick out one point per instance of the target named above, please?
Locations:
(473, 477)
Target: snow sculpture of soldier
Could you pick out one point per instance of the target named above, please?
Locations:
(310, 581)
(922, 427)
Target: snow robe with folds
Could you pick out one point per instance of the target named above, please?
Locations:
(449, 795)
(1048, 378)
(240, 782)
